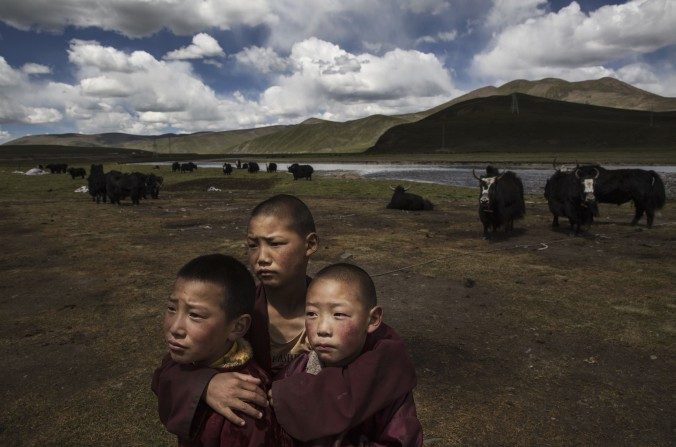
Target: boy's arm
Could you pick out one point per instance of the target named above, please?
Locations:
(337, 399)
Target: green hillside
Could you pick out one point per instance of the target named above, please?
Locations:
(320, 136)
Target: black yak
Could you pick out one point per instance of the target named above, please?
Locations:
(272, 167)
(57, 168)
(97, 183)
(227, 168)
(153, 185)
(175, 166)
(500, 200)
(120, 186)
(253, 167)
(77, 172)
(571, 194)
(188, 167)
(301, 171)
(618, 186)
(402, 200)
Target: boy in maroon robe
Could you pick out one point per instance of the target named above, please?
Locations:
(341, 311)
(207, 315)
(281, 237)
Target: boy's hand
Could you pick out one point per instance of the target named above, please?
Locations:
(235, 391)
(270, 398)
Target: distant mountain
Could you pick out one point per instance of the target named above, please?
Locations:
(523, 123)
(315, 135)
(200, 142)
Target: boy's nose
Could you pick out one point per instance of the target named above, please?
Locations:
(323, 328)
(177, 328)
(263, 256)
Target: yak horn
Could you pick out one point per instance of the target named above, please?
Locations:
(597, 173)
(554, 164)
(577, 173)
(392, 187)
(474, 174)
(406, 189)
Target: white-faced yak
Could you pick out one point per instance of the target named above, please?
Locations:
(500, 200)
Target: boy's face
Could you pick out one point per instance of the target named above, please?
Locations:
(337, 322)
(196, 328)
(278, 255)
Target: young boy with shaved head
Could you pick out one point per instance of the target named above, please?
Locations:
(281, 238)
(207, 315)
(341, 312)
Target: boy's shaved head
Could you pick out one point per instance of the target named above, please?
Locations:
(351, 274)
(290, 208)
(230, 274)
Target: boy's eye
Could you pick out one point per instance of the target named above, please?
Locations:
(171, 308)
(340, 315)
(310, 314)
(195, 316)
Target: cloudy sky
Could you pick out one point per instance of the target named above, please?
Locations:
(156, 66)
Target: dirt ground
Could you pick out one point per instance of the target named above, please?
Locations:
(540, 338)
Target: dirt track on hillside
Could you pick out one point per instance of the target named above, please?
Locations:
(536, 339)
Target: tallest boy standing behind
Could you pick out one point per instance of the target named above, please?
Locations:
(281, 237)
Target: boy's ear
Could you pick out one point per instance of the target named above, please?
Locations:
(240, 326)
(375, 318)
(312, 244)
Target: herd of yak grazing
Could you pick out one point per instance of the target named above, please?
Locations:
(571, 192)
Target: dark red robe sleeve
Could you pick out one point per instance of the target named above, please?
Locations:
(337, 399)
(402, 426)
(179, 389)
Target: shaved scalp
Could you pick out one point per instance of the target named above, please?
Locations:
(351, 274)
(225, 271)
(290, 208)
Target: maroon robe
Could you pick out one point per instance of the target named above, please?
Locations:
(213, 430)
(387, 364)
(394, 423)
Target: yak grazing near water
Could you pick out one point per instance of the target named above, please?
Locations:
(500, 201)
(253, 167)
(618, 186)
(402, 200)
(227, 168)
(571, 194)
(301, 171)
(188, 167)
(272, 167)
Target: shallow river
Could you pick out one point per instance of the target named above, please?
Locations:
(534, 178)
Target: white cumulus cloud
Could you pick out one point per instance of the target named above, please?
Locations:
(442, 36)
(505, 13)
(203, 45)
(330, 82)
(575, 45)
(135, 18)
(32, 68)
(264, 60)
